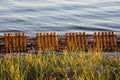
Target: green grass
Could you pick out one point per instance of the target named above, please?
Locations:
(50, 66)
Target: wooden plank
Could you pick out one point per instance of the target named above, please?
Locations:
(24, 42)
(56, 41)
(38, 41)
(98, 42)
(42, 41)
(85, 41)
(103, 41)
(111, 39)
(74, 41)
(107, 41)
(6, 42)
(17, 42)
(82, 41)
(49, 41)
(13, 41)
(52, 39)
(45, 41)
(114, 41)
(71, 42)
(20, 41)
(68, 40)
(9, 43)
(78, 40)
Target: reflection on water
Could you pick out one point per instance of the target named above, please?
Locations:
(33, 16)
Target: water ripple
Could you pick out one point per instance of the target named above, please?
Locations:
(33, 16)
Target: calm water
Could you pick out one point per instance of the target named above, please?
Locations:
(63, 16)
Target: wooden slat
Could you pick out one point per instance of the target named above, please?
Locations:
(85, 41)
(71, 41)
(107, 41)
(77, 41)
(74, 41)
(52, 39)
(114, 40)
(95, 40)
(24, 42)
(82, 41)
(98, 41)
(56, 41)
(13, 41)
(17, 42)
(38, 41)
(47, 41)
(111, 39)
(68, 40)
(20, 41)
(104, 41)
(80, 36)
(6, 42)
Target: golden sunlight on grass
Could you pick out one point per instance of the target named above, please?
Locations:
(51, 66)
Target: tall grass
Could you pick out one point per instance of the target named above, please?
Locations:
(50, 66)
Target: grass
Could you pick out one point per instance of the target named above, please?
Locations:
(69, 66)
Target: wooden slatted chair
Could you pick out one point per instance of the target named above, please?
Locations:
(14, 42)
(105, 41)
(77, 41)
(47, 41)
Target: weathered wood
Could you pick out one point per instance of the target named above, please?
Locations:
(17, 42)
(14, 42)
(114, 40)
(24, 42)
(6, 42)
(76, 41)
(56, 41)
(105, 41)
(100, 41)
(85, 41)
(47, 41)
(38, 41)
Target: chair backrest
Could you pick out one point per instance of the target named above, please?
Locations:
(105, 41)
(47, 41)
(76, 41)
(17, 42)
(14, 42)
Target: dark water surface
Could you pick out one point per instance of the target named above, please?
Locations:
(31, 16)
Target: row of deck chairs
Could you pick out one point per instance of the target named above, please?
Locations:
(101, 41)
(17, 42)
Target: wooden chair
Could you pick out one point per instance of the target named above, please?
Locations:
(47, 41)
(77, 41)
(14, 42)
(105, 41)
